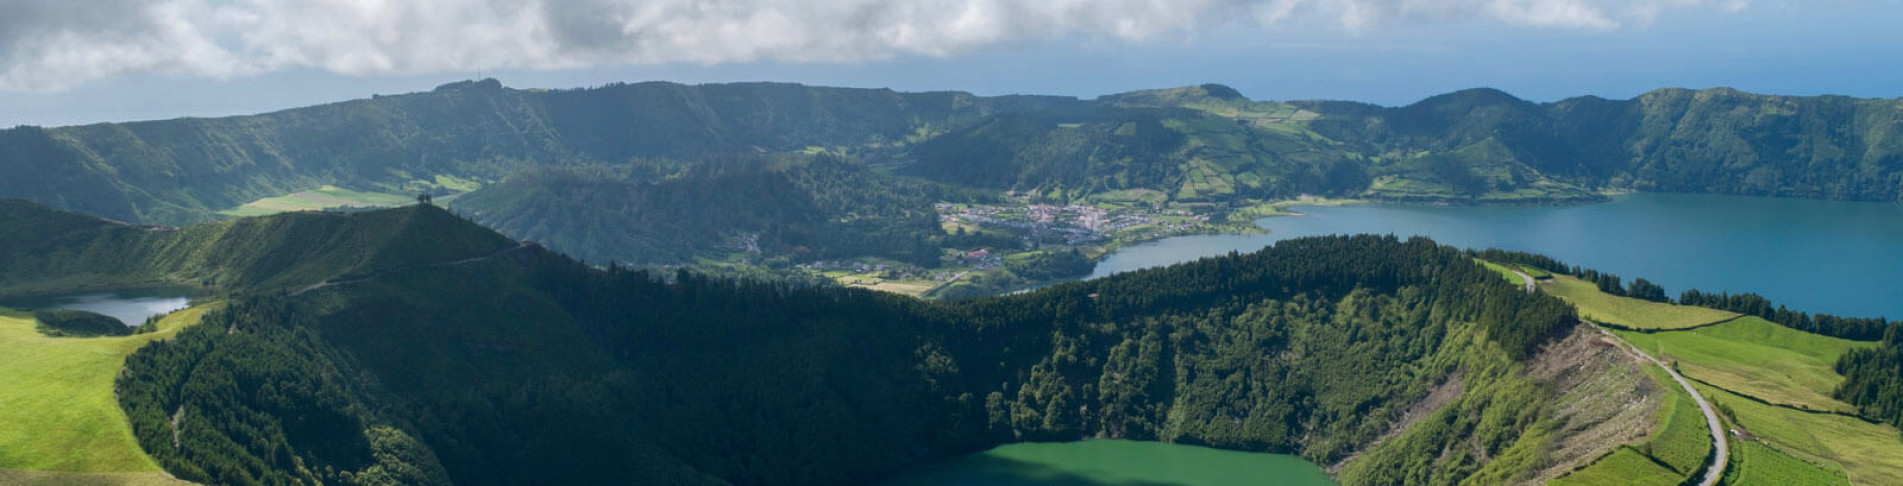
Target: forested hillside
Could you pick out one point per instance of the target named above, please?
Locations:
(521, 366)
(616, 172)
(1673, 140)
(779, 210)
(185, 170)
(58, 250)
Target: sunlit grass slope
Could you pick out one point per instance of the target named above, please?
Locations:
(316, 199)
(57, 408)
(1756, 464)
(1757, 358)
(1869, 453)
(1629, 312)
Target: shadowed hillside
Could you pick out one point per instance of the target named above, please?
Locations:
(521, 366)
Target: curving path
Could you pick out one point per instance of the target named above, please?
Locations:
(1530, 287)
(1716, 469)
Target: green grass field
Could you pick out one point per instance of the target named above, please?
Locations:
(1675, 448)
(1534, 272)
(320, 198)
(44, 478)
(1503, 271)
(1624, 466)
(1629, 312)
(1757, 358)
(1684, 439)
(1869, 453)
(57, 410)
(1756, 464)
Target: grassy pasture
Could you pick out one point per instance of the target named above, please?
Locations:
(1756, 464)
(1629, 312)
(1757, 358)
(320, 198)
(58, 411)
(1534, 272)
(1683, 439)
(1624, 466)
(1869, 453)
(44, 478)
(1503, 271)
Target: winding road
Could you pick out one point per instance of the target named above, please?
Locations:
(1716, 468)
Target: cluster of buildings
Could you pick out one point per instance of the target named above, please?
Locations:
(1076, 224)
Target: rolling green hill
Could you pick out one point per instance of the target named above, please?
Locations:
(186, 170)
(524, 366)
(1205, 145)
(778, 210)
(284, 251)
(1674, 140)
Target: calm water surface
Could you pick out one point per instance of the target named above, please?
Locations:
(1116, 462)
(128, 306)
(1834, 257)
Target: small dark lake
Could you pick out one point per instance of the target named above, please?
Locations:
(131, 306)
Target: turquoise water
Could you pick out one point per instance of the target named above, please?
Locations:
(1834, 257)
(1116, 463)
(130, 307)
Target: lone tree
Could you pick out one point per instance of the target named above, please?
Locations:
(423, 198)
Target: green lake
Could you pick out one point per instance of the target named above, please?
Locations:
(1835, 257)
(1115, 463)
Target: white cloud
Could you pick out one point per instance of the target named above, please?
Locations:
(54, 44)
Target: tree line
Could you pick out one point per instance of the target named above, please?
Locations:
(537, 368)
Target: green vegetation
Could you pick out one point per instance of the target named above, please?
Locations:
(1626, 465)
(1683, 439)
(1049, 265)
(1757, 464)
(615, 173)
(501, 367)
(778, 210)
(1756, 358)
(1535, 272)
(284, 251)
(325, 197)
(1674, 450)
(75, 323)
(1627, 312)
(1504, 272)
(1869, 453)
(58, 413)
(43, 478)
(1853, 328)
(1675, 140)
(1873, 378)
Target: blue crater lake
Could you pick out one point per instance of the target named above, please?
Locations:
(130, 307)
(1835, 257)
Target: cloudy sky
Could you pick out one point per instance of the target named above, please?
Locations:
(66, 62)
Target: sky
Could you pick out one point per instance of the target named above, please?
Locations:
(66, 62)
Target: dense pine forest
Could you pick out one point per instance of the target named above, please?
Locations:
(491, 363)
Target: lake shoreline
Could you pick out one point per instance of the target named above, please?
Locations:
(1715, 243)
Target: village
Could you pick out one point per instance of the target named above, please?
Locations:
(984, 242)
(1073, 224)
